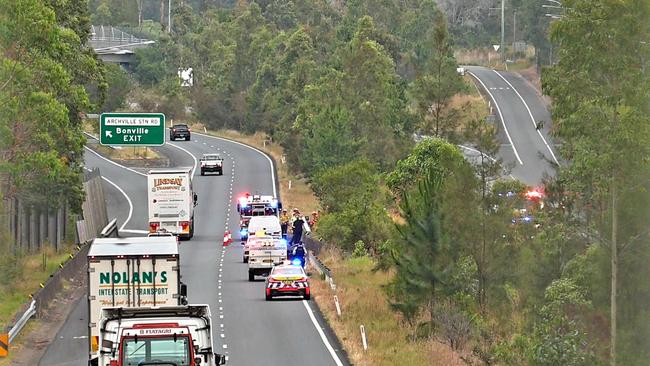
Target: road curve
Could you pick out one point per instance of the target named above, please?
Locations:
(525, 149)
(248, 329)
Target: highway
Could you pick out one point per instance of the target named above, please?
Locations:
(527, 151)
(248, 329)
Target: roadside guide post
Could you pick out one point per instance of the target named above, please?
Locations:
(132, 129)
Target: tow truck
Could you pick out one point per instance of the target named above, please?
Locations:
(174, 335)
(211, 163)
(255, 205)
(265, 253)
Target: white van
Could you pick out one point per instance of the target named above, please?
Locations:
(269, 224)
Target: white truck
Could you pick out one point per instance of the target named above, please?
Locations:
(263, 254)
(171, 201)
(131, 272)
(211, 163)
(170, 336)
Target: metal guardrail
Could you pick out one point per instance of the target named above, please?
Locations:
(110, 229)
(20, 323)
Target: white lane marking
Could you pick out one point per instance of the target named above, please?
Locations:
(336, 358)
(503, 122)
(114, 163)
(531, 117)
(80, 337)
(196, 163)
(223, 335)
(254, 149)
(128, 218)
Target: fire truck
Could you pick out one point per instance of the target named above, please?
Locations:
(255, 205)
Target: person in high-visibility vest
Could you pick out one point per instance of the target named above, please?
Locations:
(284, 222)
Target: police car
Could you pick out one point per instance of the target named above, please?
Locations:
(287, 280)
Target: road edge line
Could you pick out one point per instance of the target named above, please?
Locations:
(196, 163)
(112, 162)
(273, 175)
(500, 115)
(531, 116)
(323, 337)
(128, 199)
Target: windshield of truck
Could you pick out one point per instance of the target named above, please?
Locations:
(211, 157)
(156, 351)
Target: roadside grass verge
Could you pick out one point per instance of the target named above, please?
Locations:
(23, 274)
(360, 292)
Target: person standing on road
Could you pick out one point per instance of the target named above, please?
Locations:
(298, 224)
(284, 222)
(539, 125)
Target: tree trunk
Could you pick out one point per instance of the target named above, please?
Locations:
(140, 13)
(614, 244)
(162, 14)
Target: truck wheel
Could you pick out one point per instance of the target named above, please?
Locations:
(251, 276)
(307, 297)
(245, 259)
(269, 297)
(171, 138)
(187, 138)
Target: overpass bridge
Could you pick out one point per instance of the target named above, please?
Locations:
(115, 46)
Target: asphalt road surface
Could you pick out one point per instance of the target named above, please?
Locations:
(525, 149)
(248, 329)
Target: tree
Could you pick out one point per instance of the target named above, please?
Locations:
(603, 119)
(417, 256)
(437, 83)
(44, 71)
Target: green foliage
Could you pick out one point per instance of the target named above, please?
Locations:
(558, 338)
(430, 154)
(355, 202)
(119, 86)
(418, 255)
(45, 66)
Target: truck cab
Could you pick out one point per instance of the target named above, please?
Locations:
(175, 336)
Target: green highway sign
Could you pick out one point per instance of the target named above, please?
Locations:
(132, 129)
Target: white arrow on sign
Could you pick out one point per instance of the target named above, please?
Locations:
(496, 46)
(109, 134)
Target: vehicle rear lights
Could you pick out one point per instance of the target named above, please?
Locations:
(185, 225)
(153, 227)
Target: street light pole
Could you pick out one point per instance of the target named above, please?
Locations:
(503, 30)
(169, 16)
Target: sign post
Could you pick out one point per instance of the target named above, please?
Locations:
(132, 129)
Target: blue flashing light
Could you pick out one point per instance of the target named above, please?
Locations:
(284, 242)
(274, 203)
(527, 218)
(243, 232)
(296, 262)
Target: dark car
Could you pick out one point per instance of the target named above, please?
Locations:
(179, 132)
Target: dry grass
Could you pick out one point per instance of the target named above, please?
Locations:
(360, 292)
(29, 273)
(300, 195)
(128, 153)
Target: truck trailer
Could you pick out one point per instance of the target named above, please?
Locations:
(131, 272)
(171, 201)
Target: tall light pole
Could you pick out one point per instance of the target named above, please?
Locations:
(503, 30)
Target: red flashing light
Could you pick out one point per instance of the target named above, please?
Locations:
(153, 227)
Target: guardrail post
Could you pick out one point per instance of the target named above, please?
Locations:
(364, 341)
(338, 306)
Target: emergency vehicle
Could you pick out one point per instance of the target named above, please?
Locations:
(264, 253)
(255, 205)
(287, 280)
(175, 335)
